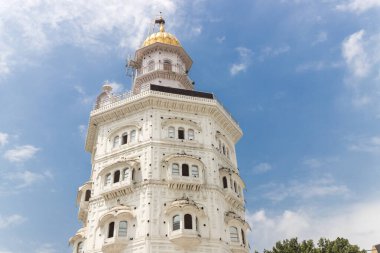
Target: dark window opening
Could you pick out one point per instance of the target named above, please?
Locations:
(116, 176)
(188, 221)
(242, 236)
(88, 195)
(111, 228)
(181, 133)
(225, 183)
(133, 175)
(124, 139)
(185, 170)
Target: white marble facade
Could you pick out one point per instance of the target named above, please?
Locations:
(164, 174)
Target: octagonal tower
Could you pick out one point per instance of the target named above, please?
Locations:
(164, 174)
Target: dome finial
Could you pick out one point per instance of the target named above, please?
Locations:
(160, 21)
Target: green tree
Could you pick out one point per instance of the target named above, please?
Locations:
(339, 245)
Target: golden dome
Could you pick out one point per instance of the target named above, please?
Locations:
(161, 37)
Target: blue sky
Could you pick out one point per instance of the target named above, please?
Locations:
(301, 77)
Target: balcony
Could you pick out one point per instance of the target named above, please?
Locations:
(162, 70)
(233, 198)
(83, 210)
(190, 182)
(186, 238)
(237, 247)
(116, 190)
(114, 244)
(162, 67)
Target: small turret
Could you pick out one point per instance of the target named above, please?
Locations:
(105, 95)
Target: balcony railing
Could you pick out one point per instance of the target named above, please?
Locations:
(114, 244)
(190, 182)
(117, 189)
(237, 247)
(147, 88)
(160, 66)
(185, 237)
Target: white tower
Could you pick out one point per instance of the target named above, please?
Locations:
(164, 173)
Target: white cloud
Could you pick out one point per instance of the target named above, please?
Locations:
(46, 248)
(84, 97)
(361, 53)
(313, 162)
(262, 168)
(317, 66)
(21, 153)
(358, 222)
(244, 60)
(5, 54)
(27, 178)
(367, 144)
(273, 52)
(82, 129)
(320, 161)
(354, 54)
(15, 181)
(28, 28)
(358, 6)
(237, 68)
(11, 220)
(116, 87)
(3, 139)
(314, 188)
(244, 52)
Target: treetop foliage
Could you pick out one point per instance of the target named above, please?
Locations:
(339, 245)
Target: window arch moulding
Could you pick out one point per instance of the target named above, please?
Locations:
(182, 122)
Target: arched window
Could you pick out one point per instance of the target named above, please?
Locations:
(181, 133)
(167, 65)
(242, 237)
(125, 174)
(194, 171)
(116, 141)
(124, 138)
(225, 183)
(190, 134)
(176, 222)
(224, 150)
(234, 236)
(185, 170)
(175, 169)
(196, 224)
(111, 228)
(107, 180)
(188, 221)
(235, 187)
(80, 247)
(171, 132)
(116, 176)
(123, 226)
(151, 66)
(88, 195)
(133, 135)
